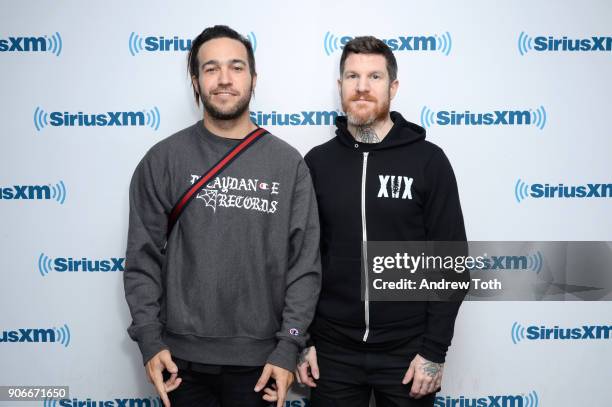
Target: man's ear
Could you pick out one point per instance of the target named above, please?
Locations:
(195, 84)
(393, 88)
(254, 83)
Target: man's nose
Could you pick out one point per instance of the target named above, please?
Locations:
(225, 77)
(363, 85)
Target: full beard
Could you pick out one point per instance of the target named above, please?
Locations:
(230, 114)
(365, 117)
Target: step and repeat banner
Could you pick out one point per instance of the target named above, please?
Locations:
(516, 93)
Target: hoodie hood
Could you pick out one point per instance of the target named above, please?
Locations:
(403, 132)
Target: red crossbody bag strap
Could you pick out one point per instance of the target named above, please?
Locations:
(216, 169)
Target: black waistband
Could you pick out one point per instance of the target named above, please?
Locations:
(187, 365)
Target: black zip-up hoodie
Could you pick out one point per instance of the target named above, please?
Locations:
(401, 189)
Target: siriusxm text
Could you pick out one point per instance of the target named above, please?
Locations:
(23, 44)
(570, 191)
(62, 264)
(25, 192)
(557, 333)
(495, 118)
(303, 118)
(131, 402)
(550, 43)
(403, 43)
(29, 335)
(101, 119)
(488, 401)
(167, 44)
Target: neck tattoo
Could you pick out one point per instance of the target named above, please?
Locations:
(366, 134)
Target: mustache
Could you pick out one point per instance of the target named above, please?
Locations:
(363, 96)
(225, 90)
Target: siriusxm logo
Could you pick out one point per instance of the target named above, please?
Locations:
(552, 44)
(304, 402)
(303, 118)
(519, 333)
(523, 191)
(532, 262)
(437, 43)
(59, 335)
(56, 192)
(70, 265)
(149, 118)
(519, 400)
(531, 117)
(153, 43)
(52, 44)
(118, 402)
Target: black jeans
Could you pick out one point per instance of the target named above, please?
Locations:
(216, 386)
(349, 377)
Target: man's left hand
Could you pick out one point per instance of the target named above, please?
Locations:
(426, 376)
(283, 379)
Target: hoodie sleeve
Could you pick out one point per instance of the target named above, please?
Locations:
(443, 222)
(142, 277)
(303, 278)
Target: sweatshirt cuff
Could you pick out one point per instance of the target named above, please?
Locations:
(433, 351)
(150, 342)
(284, 355)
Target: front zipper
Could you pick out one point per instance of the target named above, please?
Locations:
(364, 244)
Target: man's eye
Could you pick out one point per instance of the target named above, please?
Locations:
(238, 68)
(376, 76)
(209, 70)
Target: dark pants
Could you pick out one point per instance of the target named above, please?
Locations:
(216, 386)
(350, 377)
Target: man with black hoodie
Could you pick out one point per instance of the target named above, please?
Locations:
(377, 180)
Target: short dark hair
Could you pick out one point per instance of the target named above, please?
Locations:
(211, 33)
(370, 45)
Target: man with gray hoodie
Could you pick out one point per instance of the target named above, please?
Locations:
(221, 305)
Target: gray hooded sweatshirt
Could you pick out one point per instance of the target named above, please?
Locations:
(240, 278)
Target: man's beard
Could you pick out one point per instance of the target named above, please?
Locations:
(360, 118)
(238, 110)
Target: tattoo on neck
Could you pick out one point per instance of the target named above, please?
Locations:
(366, 134)
(431, 368)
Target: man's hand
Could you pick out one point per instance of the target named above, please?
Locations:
(155, 366)
(278, 392)
(426, 376)
(308, 368)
